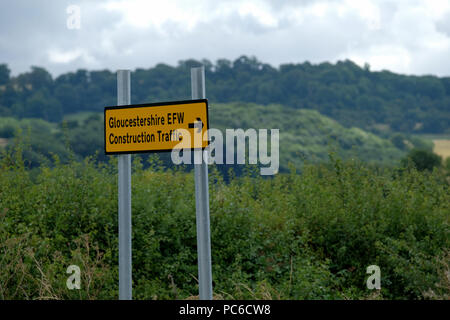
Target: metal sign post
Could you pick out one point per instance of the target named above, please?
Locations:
(202, 200)
(124, 166)
(119, 131)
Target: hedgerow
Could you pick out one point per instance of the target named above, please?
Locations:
(308, 234)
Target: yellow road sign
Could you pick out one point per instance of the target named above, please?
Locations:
(156, 127)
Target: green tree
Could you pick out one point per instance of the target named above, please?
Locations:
(42, 105)
(422, 160)
(4, 74)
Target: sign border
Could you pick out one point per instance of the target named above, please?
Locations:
(153, 104)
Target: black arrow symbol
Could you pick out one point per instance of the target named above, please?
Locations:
(198, 124)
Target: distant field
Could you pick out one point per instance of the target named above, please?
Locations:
(442, 147)
(3, 142)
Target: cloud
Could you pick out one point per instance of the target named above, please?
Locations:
(402, 36)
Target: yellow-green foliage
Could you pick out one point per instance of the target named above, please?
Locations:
(304, 135)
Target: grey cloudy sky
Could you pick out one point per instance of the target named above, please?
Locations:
(411, 37)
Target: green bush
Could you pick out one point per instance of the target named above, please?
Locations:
(422, 160)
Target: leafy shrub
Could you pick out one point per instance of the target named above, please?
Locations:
(422, 159)
(308, 235)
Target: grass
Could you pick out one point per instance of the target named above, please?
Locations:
(442, 147)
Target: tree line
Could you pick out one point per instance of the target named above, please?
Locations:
(354, 96)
